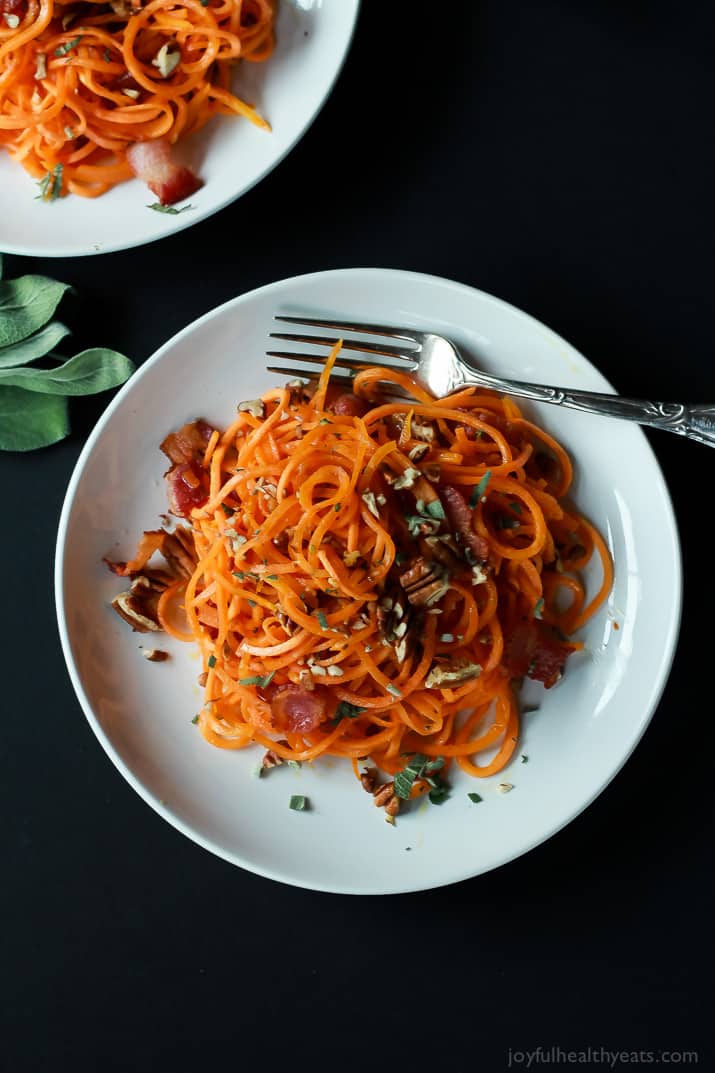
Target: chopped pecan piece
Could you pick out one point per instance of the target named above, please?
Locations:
(367, 778)
(444, 549)
(425, 582)
(451, 674)
(154, 655)
(385, 797)
(459, 515)
(129, 607)
(178, 550)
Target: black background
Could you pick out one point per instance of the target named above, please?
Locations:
(558, 155)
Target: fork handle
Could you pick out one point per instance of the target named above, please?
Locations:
(694, 422)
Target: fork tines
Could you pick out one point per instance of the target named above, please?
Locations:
(400, 357)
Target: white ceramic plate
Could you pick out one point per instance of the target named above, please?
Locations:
(312, 39)
(141, 712)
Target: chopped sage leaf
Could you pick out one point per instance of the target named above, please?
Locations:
(480, 489)
(439, 792)
(418, 767)
(257, 680)
(299, 803)
(212, 661)
(435, 510)
(345, 710)
(50, 186)
(169, 210)
(67, 46)
(476, 798)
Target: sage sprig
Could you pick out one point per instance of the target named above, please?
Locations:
(33, 400)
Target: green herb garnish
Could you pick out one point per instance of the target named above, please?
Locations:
(298, 803)
(50, 186)
(263, 681)
(480, 489)
(418, 767)
(539, 607)
(524, 758)
(435, 510)
(228, 511)
(476, 798)
(394, 690)
(320, 615)
(195, 720)
(439, 791)
(211, 661)
(169, 210)
(346, 710)
(67, 46)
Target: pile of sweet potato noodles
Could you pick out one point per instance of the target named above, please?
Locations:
(82, 81)
(374, 575)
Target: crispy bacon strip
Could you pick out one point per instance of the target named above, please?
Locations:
(151, 541)
(188, 443)
(296, 710)
(152, 163)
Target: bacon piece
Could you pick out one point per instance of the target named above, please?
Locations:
(349, 405)
(534, 651)
(151, 541)
(170, 182)
(459, 516)
(185, 488)
(188, 444)
(296, 710)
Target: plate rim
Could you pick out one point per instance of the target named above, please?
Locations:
(178, 223)
(657, 687)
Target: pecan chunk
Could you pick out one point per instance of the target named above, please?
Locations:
(134, 611)
(424, 581)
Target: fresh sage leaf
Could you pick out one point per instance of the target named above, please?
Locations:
(35, 346)
(25, 305)
(98, 369)
(29, 420)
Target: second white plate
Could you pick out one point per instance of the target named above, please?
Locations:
(230, 155)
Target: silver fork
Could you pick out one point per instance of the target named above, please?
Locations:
(438, 364)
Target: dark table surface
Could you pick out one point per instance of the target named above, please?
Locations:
(560, 156)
